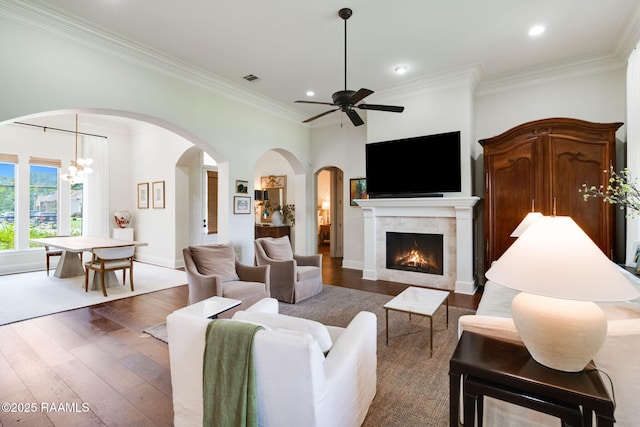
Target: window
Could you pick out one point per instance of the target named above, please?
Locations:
(43, 200)
(7, 200)
(76, 209)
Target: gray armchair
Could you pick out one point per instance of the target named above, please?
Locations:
(293, 277)
(214, 270)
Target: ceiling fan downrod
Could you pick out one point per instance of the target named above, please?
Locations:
(345, 13)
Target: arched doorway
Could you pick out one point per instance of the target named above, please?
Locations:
(330, 209)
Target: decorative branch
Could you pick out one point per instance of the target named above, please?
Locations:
(621, 191)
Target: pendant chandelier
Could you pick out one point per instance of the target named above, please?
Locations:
(78, 167)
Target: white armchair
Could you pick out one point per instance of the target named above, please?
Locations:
(296, 383)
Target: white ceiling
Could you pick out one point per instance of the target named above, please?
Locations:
(296, 45)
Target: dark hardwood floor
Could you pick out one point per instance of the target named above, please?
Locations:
(94, 366)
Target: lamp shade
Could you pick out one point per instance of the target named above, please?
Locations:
(554, 257)
(525, 223)
(325, 206)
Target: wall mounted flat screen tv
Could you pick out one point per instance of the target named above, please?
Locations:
(423, 166)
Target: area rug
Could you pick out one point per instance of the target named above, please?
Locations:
(413, 388)
(28, 295)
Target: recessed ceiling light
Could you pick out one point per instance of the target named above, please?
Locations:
(401, 69)
(310, 93)
(536, 30)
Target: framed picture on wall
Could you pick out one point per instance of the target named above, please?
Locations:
(143, 195)
(241, 205)
(158, 195)
(242, 187)
(357, 190)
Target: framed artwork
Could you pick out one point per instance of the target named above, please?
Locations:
(357, 190)
(143, 195)
(242, 187)
(241, 205)
(158, 195)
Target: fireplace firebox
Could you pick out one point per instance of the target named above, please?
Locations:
(417, 252)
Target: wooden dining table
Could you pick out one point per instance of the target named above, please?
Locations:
(70, 264)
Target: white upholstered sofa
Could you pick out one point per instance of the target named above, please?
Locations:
(619, 356)
(297, 384)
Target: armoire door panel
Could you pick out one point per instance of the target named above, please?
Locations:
(512, 184)
(576, 162)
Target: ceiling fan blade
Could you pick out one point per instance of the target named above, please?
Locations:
(315, 102)
(391, 108)
(355, 118)
(359, 95)
(320, 115)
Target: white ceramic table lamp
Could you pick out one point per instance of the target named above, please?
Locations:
(561, 272)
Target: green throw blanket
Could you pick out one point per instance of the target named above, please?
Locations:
(229, 385)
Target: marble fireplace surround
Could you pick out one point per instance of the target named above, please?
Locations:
(450, 216)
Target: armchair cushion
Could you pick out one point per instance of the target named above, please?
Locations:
(306, 272)
(278, 248)
(215, 259)
(283, 322)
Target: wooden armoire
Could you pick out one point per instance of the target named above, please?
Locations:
(541, 166)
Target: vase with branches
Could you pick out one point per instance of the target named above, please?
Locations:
(621, 190)
(288, 211)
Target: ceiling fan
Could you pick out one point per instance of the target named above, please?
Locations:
(346, 100)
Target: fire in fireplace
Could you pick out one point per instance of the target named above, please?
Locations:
(416, 252)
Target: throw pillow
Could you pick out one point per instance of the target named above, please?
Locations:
(278, 248)
(281, 321)
(216, 259)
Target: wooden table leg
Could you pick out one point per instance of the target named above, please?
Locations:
(454, 399)
(431, 335)
(386, 310)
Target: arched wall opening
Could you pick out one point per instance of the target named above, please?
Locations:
(143, 150)
(280, 162)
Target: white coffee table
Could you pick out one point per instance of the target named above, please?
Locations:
(210, 307)
(420, 301)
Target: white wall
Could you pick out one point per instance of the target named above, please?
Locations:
(154, 152)
(594, 96)
(343, 147)
(45, 71)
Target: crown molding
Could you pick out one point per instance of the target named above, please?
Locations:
(536, 76)
(468, 77)
(629, 36)
(97, 39)
(49, 20)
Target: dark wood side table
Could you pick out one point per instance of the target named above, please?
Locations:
(504, 370)
(272, 231)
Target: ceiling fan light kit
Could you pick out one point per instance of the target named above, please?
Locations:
(346, 100)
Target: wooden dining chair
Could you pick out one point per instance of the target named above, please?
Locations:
(106, 259)
(51, 252)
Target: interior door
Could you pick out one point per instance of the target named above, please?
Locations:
(210, 220)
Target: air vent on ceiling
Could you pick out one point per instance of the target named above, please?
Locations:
(250, 77)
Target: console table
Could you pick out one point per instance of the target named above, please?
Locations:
(506, 371)
(272, 231)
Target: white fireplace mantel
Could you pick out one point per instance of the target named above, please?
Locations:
(460, 208)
